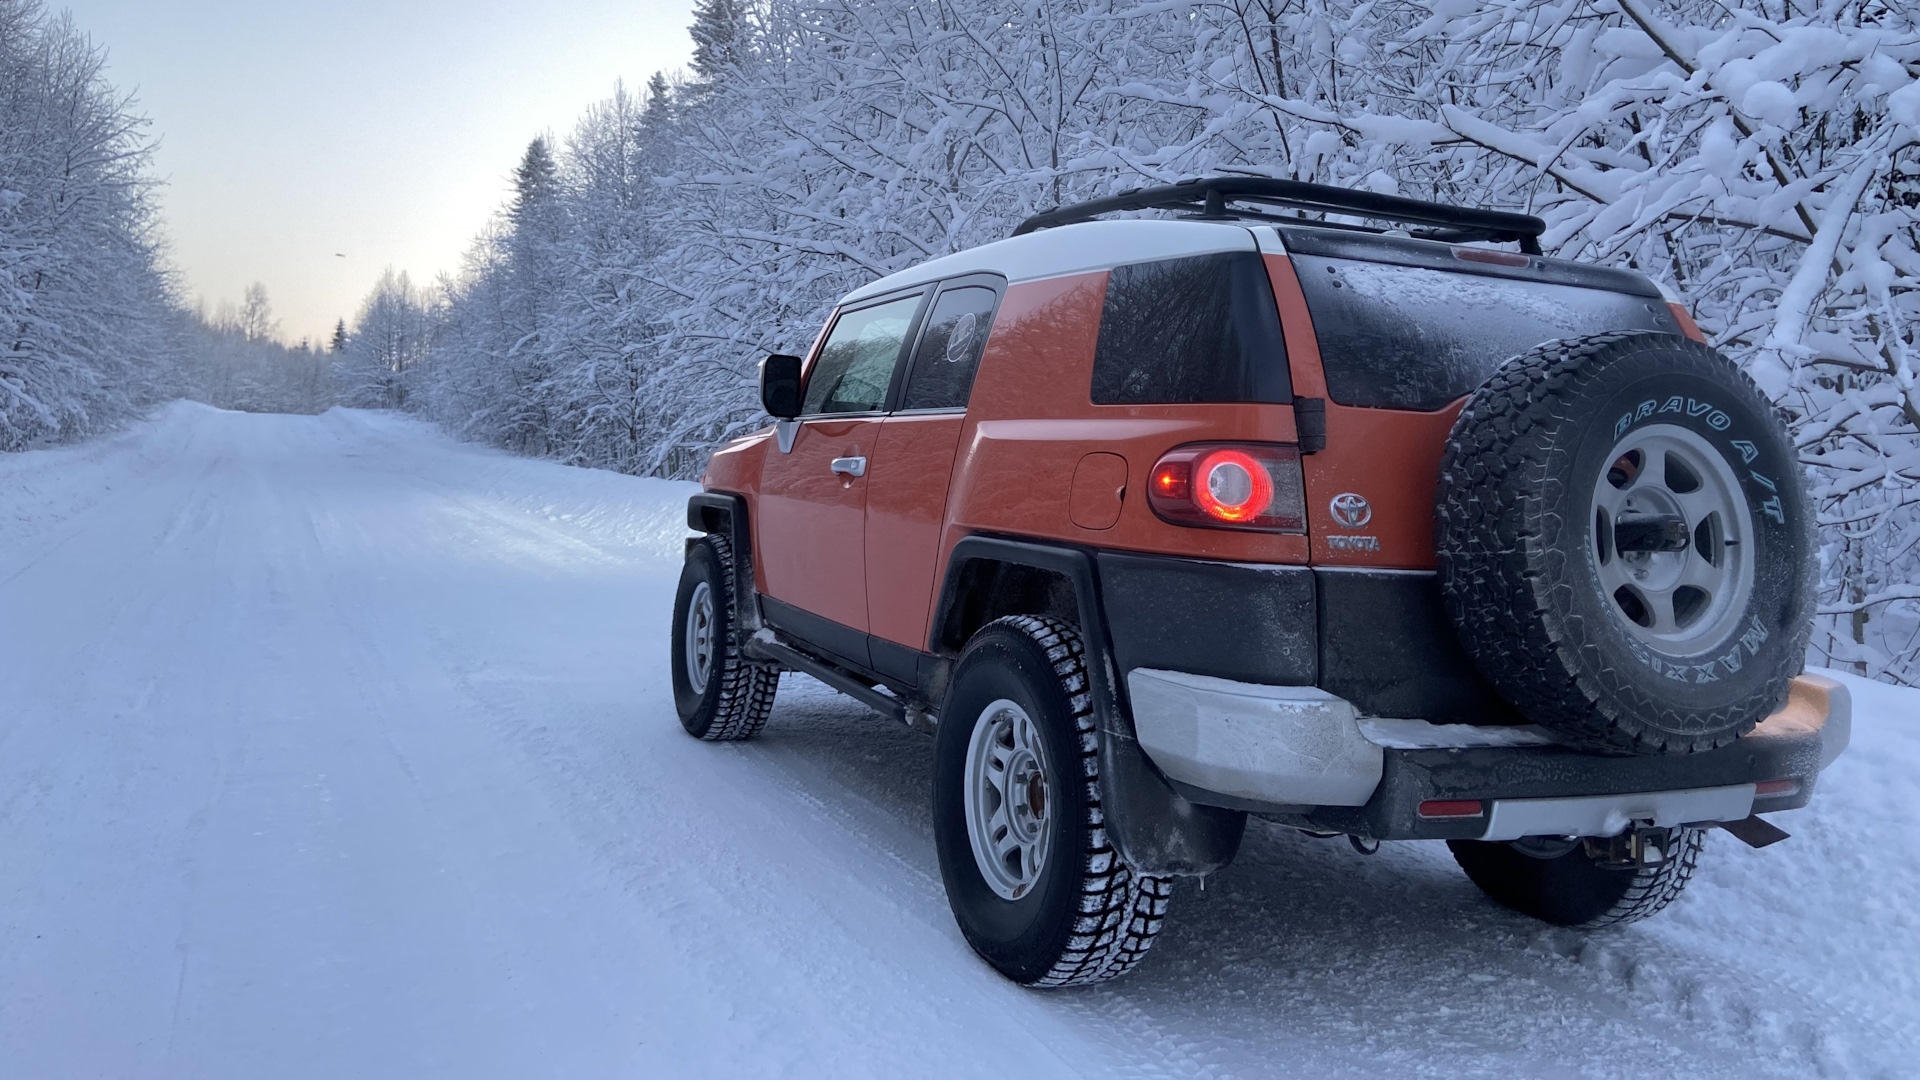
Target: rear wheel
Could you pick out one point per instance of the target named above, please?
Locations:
(1035, 884)
(719, 695)
(1560, 883)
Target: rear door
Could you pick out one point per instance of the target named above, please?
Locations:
(810, 521)
(1402, 331)
(908, 479)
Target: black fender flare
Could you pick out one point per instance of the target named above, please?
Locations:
(1157, 830)
(725, 513)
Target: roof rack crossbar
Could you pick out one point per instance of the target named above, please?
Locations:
(1210, 197)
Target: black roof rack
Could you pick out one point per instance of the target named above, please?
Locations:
(1209, 197)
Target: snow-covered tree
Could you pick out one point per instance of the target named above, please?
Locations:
(391, 337)
(235, 359)
(719, 36)
(256, 321)
(88, 326)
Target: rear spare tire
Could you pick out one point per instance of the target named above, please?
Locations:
(1625, 542)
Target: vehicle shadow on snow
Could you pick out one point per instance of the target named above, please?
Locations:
(1305, 950)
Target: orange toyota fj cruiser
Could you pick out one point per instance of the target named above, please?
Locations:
(1378, 530)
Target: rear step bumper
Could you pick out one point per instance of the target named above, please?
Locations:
(1301, 756)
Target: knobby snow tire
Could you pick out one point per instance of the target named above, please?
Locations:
(1091, 918)
(738, 695)
(1573, 890)
(1514, 523)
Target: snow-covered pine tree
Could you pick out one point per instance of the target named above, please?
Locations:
(719, 34)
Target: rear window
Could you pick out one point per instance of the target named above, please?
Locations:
(1408, 337)
(950, 348)
(1183, 331)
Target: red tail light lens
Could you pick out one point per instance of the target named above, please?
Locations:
(1451, 808)
(1230, 485)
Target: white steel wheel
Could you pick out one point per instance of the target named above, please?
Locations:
(698, 642)
(1670, 542)
(1008, 799)
(1034, 881)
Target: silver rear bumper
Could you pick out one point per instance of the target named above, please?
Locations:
(1294, 747)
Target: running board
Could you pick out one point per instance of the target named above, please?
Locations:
(766, 645)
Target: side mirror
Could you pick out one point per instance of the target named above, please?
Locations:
(780, 386)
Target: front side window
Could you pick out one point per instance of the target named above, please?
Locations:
(1190, 330)
(856, 363)
(950, 348)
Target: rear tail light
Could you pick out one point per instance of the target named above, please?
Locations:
(1775, 788)
(1451, 808)
(1230, 485)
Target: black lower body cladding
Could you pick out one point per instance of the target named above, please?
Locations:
(1228, 620)
(1626, 543)
(1378, 638)
(1387, 645)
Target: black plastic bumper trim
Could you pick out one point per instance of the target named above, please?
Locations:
(1488, 773)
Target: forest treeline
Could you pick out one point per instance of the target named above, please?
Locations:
(1762, 157)
(93, 329)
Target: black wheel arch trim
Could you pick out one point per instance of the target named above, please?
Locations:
(1157, 830)
(725, 513)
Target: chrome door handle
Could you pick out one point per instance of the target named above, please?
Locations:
(850, 466)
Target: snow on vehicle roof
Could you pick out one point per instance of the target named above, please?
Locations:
(1073, 249)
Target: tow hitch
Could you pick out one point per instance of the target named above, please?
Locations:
(1640, 846)
(1647, 845)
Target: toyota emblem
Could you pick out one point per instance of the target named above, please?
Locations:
(1351, 510)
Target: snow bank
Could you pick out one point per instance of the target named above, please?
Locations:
(639, 513)
(40, 489)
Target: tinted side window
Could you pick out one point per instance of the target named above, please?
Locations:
(856, 364)
(950, 348)
(1190, 330)
(1405, 337)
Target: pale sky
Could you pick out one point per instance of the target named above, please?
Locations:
(384, 131)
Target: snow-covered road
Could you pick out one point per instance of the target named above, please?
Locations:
(331, 747)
